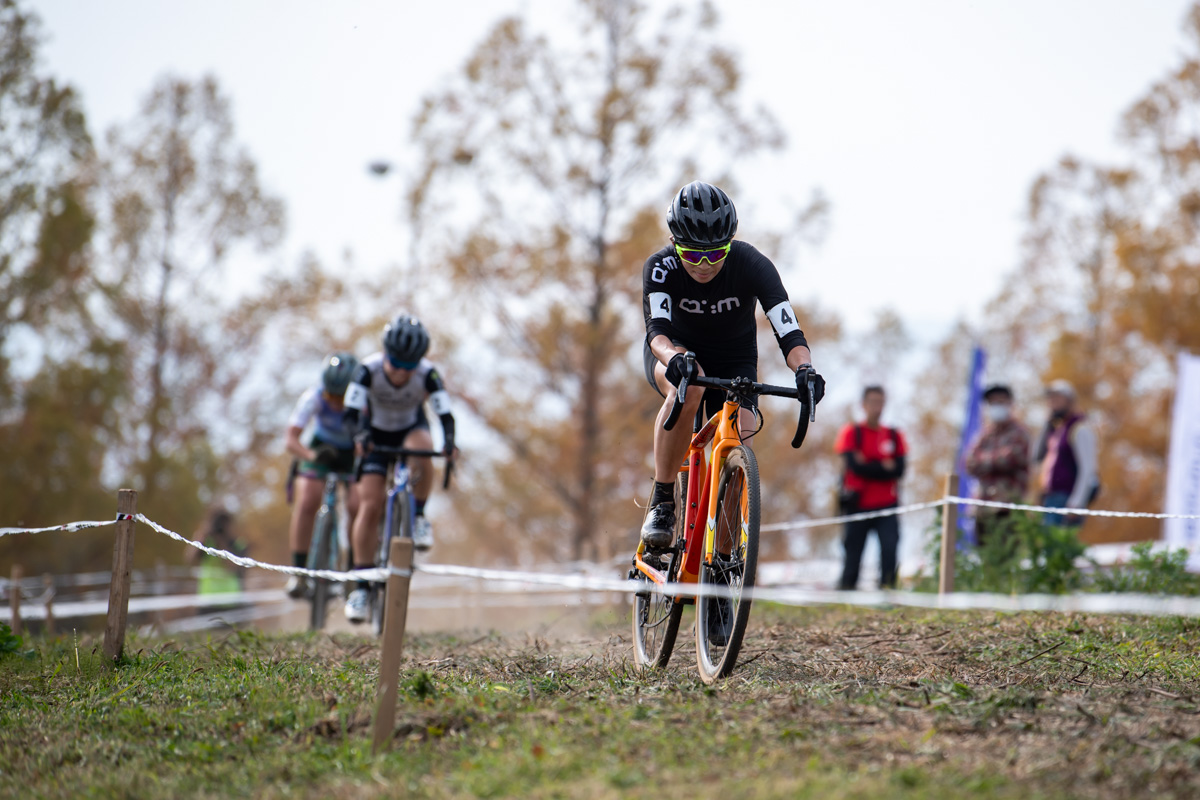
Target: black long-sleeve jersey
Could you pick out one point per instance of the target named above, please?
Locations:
(718, 316)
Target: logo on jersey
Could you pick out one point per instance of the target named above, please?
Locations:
(659, 273)
(705, 307)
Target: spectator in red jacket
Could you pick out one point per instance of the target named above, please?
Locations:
(999, 460)
(873, 457)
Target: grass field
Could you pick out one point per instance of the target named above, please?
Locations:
(828, 703)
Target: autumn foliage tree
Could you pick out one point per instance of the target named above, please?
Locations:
(171, 373)
(1107, 292)
(547, 166)
(58, 370)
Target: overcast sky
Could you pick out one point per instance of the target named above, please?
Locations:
(924, 121)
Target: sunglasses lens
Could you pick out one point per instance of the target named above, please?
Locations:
(398, 364)
(696, 257)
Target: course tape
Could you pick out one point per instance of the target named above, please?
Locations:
(1079, 512)
(378, 574)
(818, 523)
(70, 526)
(1094, 603)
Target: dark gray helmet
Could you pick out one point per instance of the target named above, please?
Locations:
(339, 369)
(701, 215)
(405, 340)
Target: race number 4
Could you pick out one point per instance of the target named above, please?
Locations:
(660, 305)
(783, 319)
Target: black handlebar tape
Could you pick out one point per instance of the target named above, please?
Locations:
(801, 430)
(677, 408)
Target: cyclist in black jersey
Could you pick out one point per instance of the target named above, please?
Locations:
(698, 294)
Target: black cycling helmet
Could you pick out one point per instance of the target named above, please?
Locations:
(701, 215)
(339, 369)
(405, 340)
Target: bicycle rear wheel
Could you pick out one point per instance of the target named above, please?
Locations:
(320, 557)
(656, 616)
(401, 526)
(721, 621)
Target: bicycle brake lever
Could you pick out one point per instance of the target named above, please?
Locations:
(680, 395)
(812, 402)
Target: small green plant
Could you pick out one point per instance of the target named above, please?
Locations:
(1149, 572)
(1021, 555)
(421, 685)
(9, 641)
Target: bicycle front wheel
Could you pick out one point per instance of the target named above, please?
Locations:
(401, 527)
(320, 557)
(721, 619)
(656, 616)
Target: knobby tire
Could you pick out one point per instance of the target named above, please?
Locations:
(401, 526)
(324, 530)
(656, 616)
(739, 502)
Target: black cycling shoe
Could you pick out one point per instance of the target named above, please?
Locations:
(659, 528)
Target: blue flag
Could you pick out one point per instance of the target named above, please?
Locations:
(971, 426)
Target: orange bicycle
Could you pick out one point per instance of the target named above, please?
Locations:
(720, 496)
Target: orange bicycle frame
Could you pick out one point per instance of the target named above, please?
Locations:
(722, 431)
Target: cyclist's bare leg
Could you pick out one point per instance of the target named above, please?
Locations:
(746, 424)
(308, 501)
(671, 446)
(351, 498)
(421, 468)
(365, 534)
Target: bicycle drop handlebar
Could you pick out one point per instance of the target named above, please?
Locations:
(744, 387)
(406, 451)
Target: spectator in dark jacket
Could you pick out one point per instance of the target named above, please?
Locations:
(999, 460)
(1068, 476)
(873, 457)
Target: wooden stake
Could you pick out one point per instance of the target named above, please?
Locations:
(14, 598)
(949, 536)
(395, 616)
(118, 589)
(48, 583)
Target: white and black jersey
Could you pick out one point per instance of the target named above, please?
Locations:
(717, 317)
(395, 408)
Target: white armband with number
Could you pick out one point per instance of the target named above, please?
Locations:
(356, 397)
(660, 305)
(783, 319)
(439, 401)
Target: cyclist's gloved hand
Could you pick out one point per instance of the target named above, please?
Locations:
(802, 373)
(326, 455)
(678, 367)
(363, 440)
